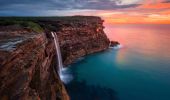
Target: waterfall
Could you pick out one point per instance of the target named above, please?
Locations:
(64, 73)
(60, 63)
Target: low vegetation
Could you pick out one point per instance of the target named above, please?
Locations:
(21, 23)
(34, 23)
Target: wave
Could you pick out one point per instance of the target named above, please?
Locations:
(117, 47)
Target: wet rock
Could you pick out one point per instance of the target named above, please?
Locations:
(114, 43)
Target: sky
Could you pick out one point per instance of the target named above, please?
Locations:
(112, 11)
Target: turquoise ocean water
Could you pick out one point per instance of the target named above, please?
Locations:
(140, 70)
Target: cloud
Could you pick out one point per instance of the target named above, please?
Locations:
(166, 1)
(40, 6)
(128, 2)
(160, 17)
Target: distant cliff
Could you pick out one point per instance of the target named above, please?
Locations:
(28, 57)
(78, 36)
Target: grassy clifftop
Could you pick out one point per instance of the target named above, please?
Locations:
(21, 23)
(33, 22)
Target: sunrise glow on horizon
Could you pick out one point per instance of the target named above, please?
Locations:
(155, 12)
(112, 11)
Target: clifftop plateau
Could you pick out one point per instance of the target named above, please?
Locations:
(28, 62)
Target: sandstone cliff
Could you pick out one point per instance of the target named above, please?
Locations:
(28, 58)
(27, 62)
(78, 36)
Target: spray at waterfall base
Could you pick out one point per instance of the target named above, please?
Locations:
(64, 73)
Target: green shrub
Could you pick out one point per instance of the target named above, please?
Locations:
(32, 25)
(22, 23)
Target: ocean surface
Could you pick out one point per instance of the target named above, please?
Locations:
(140, 70)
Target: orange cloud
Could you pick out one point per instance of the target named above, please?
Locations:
(156, 6)
(150, 12)
(138, 18)
(166, 12)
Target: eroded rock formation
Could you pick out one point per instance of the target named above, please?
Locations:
(28, 58)
(27, 61)
(79, 36)
(114, 43)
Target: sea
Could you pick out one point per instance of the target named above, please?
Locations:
(138, 70)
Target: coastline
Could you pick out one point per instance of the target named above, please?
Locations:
(34, 58)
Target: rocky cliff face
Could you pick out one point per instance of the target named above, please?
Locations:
(28, 58)
(79, 36)
(27, 62)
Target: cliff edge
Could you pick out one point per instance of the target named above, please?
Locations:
(28, 57)
(78, 36)
(27, 62)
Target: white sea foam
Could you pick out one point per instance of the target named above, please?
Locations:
(117, 47)
(79, 59)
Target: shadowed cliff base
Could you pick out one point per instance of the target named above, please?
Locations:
(82, 91)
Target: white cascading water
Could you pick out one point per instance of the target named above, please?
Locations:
(64, 74)
(60, 63)
(117, 47)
